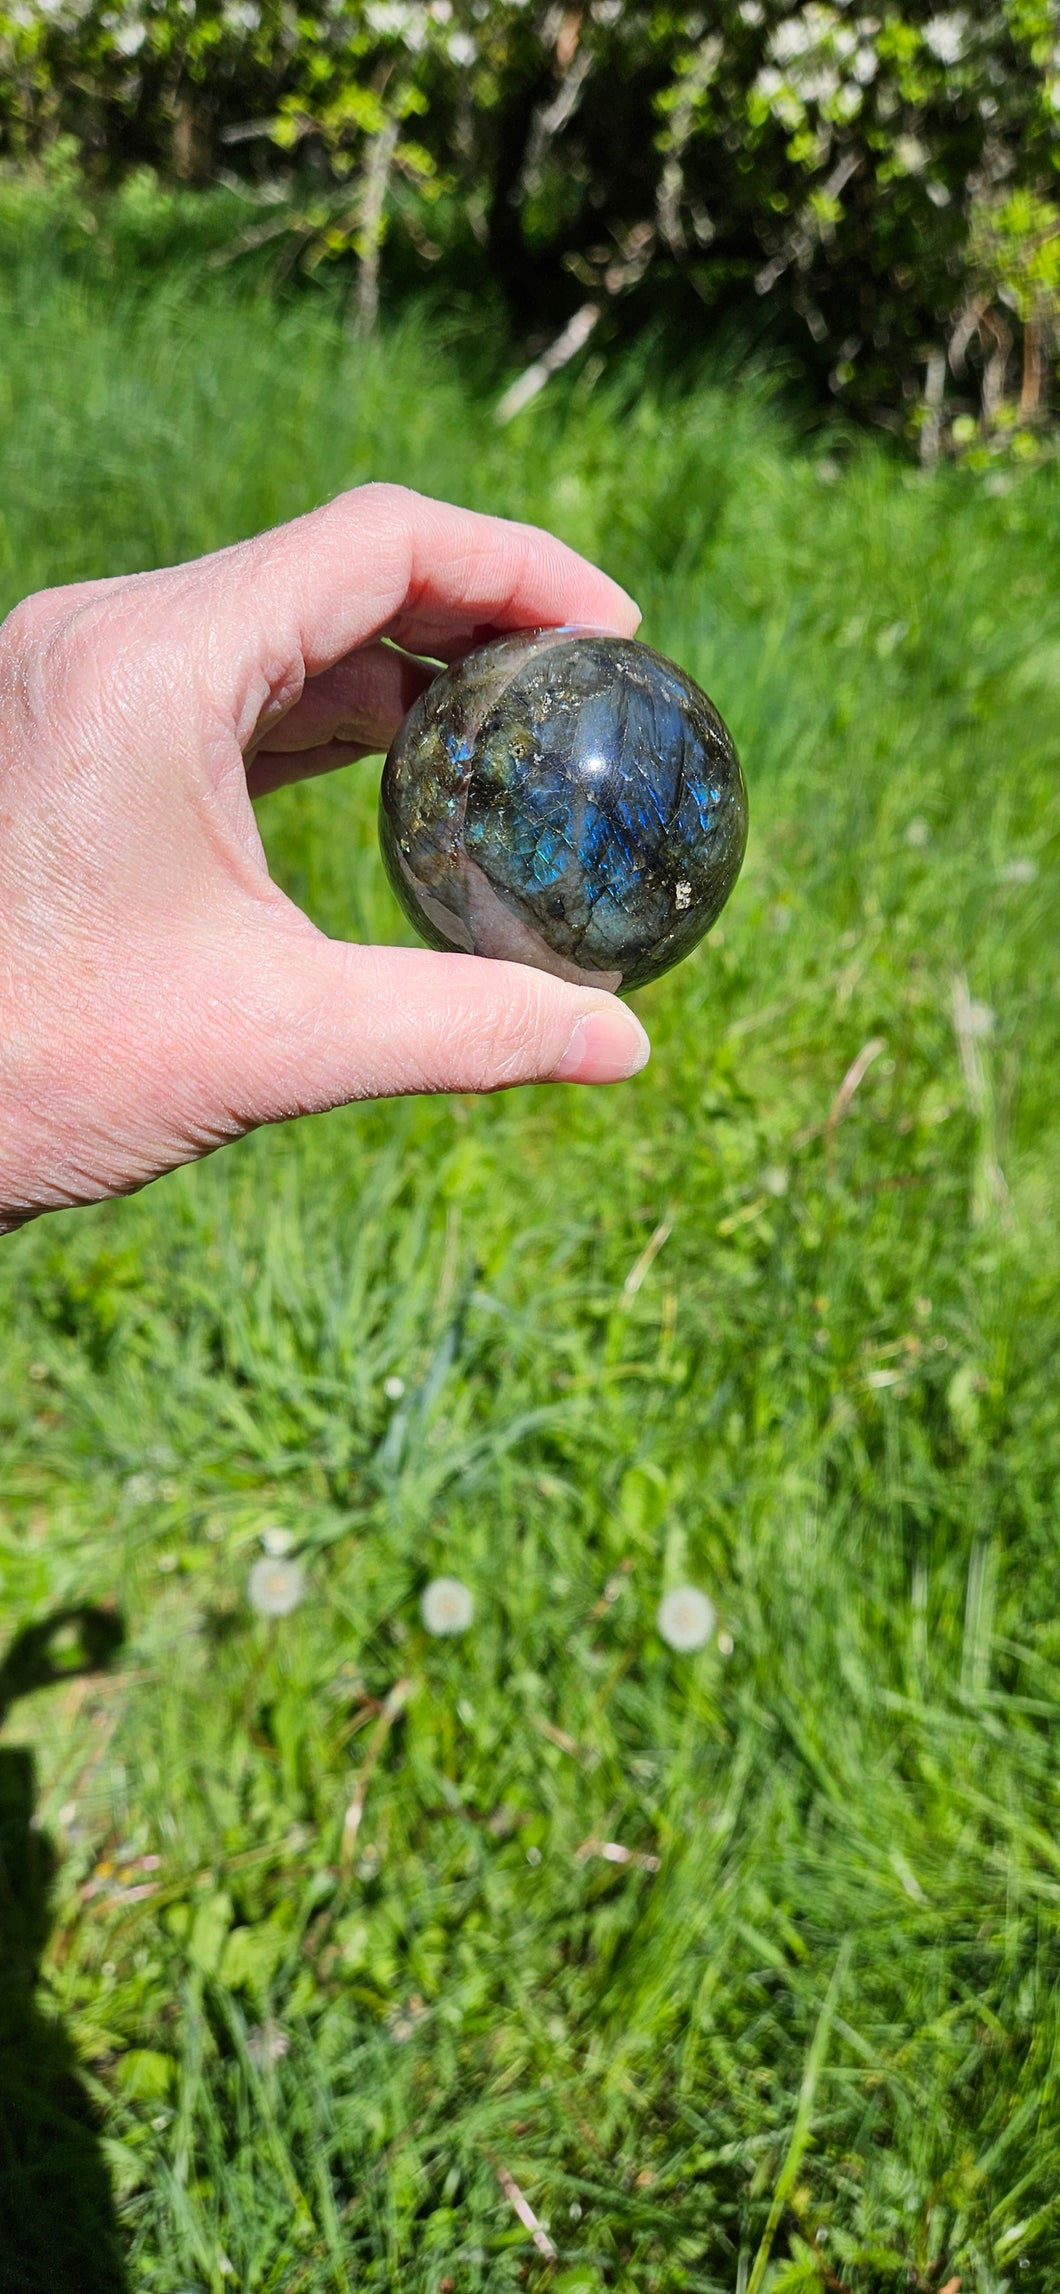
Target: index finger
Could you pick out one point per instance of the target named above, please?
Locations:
(381, 560)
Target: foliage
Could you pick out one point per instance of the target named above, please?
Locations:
(829, 1398)
(1015, 273)
(832, 171)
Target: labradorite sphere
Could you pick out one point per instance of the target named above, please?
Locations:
(564, 799)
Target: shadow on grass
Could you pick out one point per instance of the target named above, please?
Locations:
(58, 2227)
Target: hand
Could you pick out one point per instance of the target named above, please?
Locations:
(159, 994)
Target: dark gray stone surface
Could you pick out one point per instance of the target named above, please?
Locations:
(565, 799)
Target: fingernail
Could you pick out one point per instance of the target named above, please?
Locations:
(607, 1045)
(635, 610)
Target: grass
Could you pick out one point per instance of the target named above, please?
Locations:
(735, 1324)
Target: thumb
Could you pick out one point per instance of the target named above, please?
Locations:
(323, 1022)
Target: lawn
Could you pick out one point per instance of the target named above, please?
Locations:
(339, 1990)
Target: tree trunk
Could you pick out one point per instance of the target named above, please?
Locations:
(934, 392)
(374, 184)
(1033, 389)
(995, 372)
(188, 147)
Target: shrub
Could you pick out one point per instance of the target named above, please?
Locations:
(873, 185)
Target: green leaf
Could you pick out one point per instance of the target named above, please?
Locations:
(251, 1956)
(211, 1920)
(145, 2075)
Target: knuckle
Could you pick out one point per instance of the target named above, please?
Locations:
(61, 659)
(16, 631)
(384, 496)
(77, 659)
(388, 515)
(29, 621)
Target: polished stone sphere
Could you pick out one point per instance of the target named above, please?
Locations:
(565, 799)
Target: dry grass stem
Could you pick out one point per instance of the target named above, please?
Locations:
(393, 1705)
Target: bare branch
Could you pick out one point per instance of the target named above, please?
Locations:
(526, 387)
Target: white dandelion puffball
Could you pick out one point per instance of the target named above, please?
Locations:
(275, 1586)
(447, 1606)
(276, 1541)
(686, 1619)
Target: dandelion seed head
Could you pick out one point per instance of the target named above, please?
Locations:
(267, 2043)
(686, 1619)
(918, 834)
(393, 1388)
(447, 1606)
(1022, 870)
(275, 1586)
(276, 1541)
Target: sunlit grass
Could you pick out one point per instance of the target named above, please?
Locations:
(332, 1931)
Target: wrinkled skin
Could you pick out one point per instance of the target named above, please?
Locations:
(159, 994)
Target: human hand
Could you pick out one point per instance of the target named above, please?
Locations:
(159, 994)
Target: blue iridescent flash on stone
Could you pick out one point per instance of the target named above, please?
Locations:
(565, 799)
